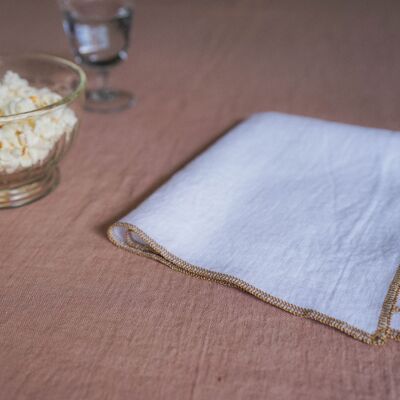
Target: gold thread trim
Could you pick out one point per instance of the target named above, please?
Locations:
(153, 250)
(394, 334)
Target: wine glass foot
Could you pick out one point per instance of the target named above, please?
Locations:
(107, 101)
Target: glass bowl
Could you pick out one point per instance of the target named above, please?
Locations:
(33, 139)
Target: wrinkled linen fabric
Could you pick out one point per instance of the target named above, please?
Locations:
(302, 209)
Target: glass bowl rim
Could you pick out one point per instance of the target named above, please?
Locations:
(63, 101)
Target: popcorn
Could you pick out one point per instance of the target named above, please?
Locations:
(26, 142)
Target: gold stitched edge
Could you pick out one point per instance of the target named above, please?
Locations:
(389, 306)
(394, 334)
(153, 250)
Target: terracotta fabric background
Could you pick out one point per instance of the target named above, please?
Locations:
(80, 319)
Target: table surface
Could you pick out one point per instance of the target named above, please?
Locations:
(81, 319)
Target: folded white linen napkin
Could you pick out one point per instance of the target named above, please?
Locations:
(302, 213)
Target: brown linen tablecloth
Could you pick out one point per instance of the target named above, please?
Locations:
(80, 319)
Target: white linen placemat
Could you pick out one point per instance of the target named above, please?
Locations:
(302, 213)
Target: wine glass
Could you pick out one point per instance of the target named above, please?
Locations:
(99, 34)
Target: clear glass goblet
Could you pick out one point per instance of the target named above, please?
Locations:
(99, 35)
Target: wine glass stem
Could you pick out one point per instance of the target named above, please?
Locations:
(104, 75)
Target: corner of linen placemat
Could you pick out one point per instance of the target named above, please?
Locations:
(256, 209)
